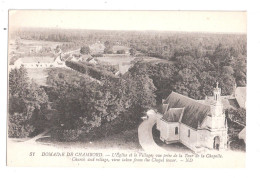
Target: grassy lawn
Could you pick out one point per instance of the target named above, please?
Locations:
(39, 75)
(51, 44)
(122, 60)
(115, 59)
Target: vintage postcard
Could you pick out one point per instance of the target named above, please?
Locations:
(127, 88)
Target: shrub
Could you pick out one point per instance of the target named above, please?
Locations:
(84, 50)
(19, 126)
(76, 66)
(97, 55)
(88, 69)
(66, 135)
(121, 51)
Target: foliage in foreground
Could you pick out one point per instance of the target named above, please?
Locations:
(97, 109)
(27, 105)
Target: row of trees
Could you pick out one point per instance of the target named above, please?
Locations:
(165, 45)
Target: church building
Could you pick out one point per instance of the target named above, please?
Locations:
(198, 125)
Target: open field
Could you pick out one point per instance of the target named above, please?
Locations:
(114, 59)
(123, 61)
(39, 75)
(39, 42)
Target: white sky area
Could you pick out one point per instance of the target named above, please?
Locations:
(190, 21)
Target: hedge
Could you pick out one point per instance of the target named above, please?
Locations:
(88, 69)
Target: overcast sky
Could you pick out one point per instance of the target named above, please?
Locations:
(192, 21)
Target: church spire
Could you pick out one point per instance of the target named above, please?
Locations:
(217, 93)
(217, 107)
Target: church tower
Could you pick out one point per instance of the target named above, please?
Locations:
(217, 93)
(218, 122)
(217, 106)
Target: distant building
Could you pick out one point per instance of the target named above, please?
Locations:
(240, 95)
(242, 134)
(72, 58)
(199, 126)
(35, 49)
(234, 101)
(39, 62)
(117, 49)
(92, 61)
(97, 48)
(117, 73)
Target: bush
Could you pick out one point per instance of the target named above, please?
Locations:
(76, 66)
(66, 135)
(121, 51)
(84, 50)
(19, 126)
(97, 55)
(88, 69)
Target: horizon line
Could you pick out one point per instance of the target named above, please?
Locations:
(130, 30)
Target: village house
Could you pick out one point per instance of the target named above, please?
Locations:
(39, 62)
(92, 61)
(198, 125)
(97, 48)
(35, 49)
(240, 95)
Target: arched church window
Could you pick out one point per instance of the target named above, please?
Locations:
(176, 130)
(189, 133)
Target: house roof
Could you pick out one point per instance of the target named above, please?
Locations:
(194, 112)
(91, 59)
(70, 57)
(173, 115)
(118, 47)
(37, 59)
(242, 135)
(241, 90)
(97, 47)
(240, 94)
(231, 103)
(164, 108)
(228, 103)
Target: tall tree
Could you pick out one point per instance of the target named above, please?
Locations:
(27, 103)
(84, 50)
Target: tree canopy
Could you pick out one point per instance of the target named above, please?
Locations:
(27, 104)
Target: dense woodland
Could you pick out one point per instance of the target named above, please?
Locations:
(191, 65)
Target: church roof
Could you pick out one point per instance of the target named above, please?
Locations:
(164, 108)
(173, 115)
(194, 112)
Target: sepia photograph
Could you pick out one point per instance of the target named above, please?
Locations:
(127, 88)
